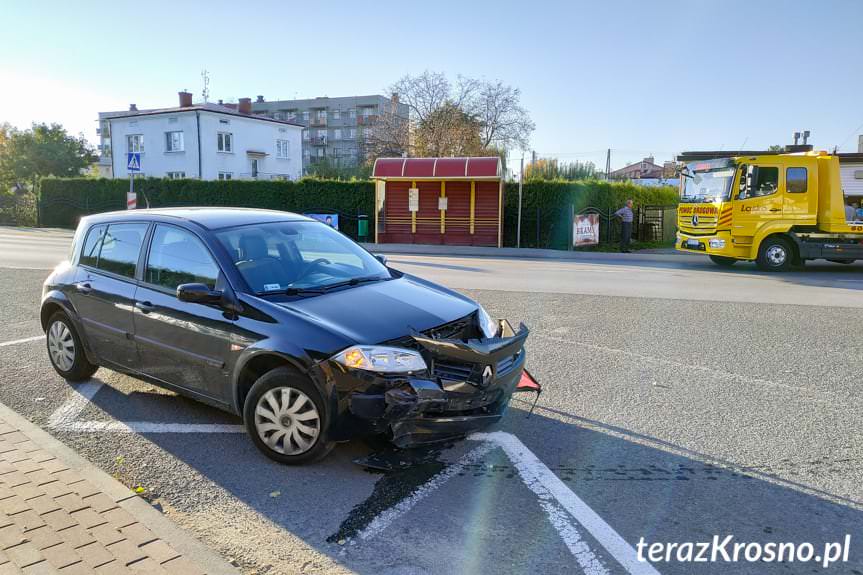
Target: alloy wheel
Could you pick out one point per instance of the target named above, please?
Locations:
(61, 345)
(287, 420)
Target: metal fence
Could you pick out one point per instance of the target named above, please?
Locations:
(650, 224)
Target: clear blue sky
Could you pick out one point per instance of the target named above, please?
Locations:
(638, 77)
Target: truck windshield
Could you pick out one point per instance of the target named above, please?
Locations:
(708, 181)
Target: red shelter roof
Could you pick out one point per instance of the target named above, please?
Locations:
(437, 168)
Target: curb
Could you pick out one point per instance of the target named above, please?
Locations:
(159, 524)
(653, 254)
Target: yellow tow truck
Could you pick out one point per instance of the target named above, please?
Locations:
(778, 210)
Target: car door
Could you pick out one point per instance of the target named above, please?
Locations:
(104, 290)
(758, 201)
(181, 343)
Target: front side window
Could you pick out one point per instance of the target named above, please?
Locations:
(301, 255)
(225, 142)
(121, 247)
(135, 143)
(92, 245)
(761, 181)
(178, 257)
(796, 180)
(282, 149)
(174, 142)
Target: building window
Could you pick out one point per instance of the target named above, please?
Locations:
(352, 113)
(174, 142)
(282, 149)
(175, 175)
(306, 135)
(225, 142)
(352, 133)
(368, 111)
(337, 114)
(305, 115)
(135, 143)
(337, 134)
(321, 152)
(226, 175)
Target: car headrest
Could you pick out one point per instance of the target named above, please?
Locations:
(253, 247)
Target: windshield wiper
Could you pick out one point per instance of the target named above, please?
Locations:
(354, 281)
(293, 291)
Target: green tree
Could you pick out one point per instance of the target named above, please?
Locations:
(551, 169)
(327, 169)
(43, 150)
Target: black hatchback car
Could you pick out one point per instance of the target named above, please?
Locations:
(283, 320)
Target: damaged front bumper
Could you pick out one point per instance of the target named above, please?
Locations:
(467, 387)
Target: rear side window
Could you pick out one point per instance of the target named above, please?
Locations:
(796, 180)
(121, 246)
(178, 257)
(92, 245)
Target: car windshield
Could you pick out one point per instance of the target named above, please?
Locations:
(298, 256)
(707, 181)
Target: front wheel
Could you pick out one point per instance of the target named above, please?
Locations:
(65, 349)
(723, 261)
(284, 415)
(775, 255)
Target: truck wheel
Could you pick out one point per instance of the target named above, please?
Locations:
(775, 255)
(284, 415)
(723, 261)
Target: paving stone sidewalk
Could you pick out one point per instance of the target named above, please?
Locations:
(59, 514)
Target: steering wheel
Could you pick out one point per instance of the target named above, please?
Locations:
(312, 265)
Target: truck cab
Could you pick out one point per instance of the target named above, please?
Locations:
(775, 209)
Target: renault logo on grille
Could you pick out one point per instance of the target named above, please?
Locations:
(694, 219)
(487, 374)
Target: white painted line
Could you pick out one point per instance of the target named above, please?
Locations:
(150, 427)
(384, 520)
(542, 481)
(66, 413)
(25, 340)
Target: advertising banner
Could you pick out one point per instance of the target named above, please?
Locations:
(585, 230)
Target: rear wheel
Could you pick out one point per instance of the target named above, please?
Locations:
(65, 349)
(775, 255)
(723, 261)
(284, 415)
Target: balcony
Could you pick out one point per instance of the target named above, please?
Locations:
(367, 120)
(318, 122)
(318, 141)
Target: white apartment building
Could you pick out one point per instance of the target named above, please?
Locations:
(202, 141)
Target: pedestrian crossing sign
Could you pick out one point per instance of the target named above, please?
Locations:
(133, 161)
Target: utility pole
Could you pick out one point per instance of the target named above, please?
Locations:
(608, 165)
(520, 182)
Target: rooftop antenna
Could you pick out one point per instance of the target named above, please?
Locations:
(205, 78)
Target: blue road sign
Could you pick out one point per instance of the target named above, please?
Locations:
(133, 161)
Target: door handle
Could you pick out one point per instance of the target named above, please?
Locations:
(84, 287)
(144, 306)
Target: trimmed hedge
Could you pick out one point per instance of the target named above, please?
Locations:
(546, 204)
(62, 201)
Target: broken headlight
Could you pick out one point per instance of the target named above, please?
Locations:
(381, 359)
(489, 326)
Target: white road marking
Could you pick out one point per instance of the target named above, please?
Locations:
(25, 340)
(542, 481)
(150, 427)
(65, 415)
(69, 411)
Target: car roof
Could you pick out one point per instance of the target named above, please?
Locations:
(207, 217)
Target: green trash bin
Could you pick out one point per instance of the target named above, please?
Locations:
(363, 227)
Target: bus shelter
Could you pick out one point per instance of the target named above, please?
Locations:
(453, 201)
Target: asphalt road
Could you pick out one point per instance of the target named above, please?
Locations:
(682, 402)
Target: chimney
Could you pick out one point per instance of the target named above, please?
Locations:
(221, 103)
(259, 99)
(185, 99)
(133, 108)
(860, 143)
(245, 106)
(649, 160)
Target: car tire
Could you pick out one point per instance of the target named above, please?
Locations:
(65, 349)
(775, 255)
(723, 261)
(285, 417)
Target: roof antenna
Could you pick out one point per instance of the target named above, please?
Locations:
(205, 77)
(740, 150)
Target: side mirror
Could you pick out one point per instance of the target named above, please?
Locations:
(198, 293)
(381, 258)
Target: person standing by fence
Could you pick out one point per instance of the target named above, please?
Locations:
(625, 215)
